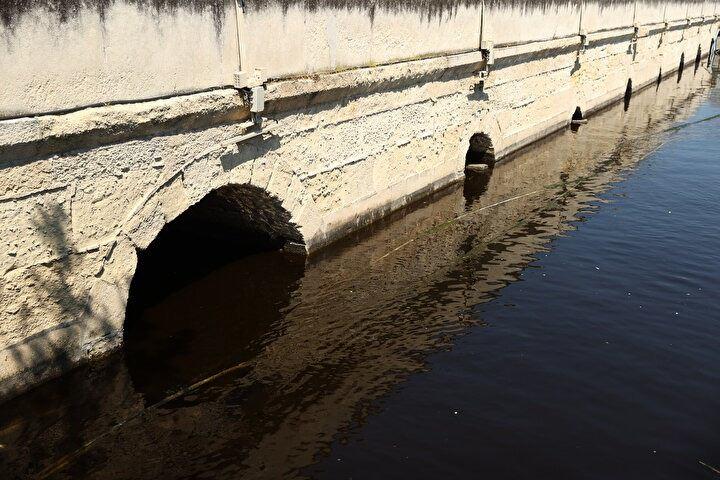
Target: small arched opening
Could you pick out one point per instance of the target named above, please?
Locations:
(209, 287)
(681, 67)
(628, 94)
(659, 79)
(698, 58)
(577, 119)
(480, 152)
(577, 115)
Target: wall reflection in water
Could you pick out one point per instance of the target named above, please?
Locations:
(307, 348)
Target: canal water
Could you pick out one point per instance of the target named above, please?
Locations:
(555, 318)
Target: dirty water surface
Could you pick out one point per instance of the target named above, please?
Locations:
(554, 318)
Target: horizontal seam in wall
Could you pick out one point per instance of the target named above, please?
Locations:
(527, 77)
(24, 195)
(66, 111)
(95, 247)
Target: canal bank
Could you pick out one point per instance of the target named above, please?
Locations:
(486, 330)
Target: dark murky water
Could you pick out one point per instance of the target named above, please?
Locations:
(557, 319)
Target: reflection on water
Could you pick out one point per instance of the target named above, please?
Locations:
(292, 360)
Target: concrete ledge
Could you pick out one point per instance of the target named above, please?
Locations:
(35, 137)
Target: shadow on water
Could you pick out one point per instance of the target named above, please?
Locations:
(475, 185)
(292, 353)
(225, 317)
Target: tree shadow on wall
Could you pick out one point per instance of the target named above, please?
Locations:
(52, 288)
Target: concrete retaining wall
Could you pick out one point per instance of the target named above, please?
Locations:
(82, 190)
(65, 55)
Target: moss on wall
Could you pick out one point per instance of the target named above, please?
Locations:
(12, 10)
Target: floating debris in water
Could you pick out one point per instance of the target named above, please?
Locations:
(713, 469)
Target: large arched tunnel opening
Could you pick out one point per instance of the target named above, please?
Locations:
(209, 288)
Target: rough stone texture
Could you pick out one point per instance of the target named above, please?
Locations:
(81, 192)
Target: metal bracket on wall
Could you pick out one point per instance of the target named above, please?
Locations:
(688, 22)
(486, 47)
(584, 41)
(488, 55)
(638, 32)
(249, 79)
(252, 85)
(257, 99)
(666, 26)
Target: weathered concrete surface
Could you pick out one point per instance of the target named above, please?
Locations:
(91, 52)
(82, 191)
(123, 53)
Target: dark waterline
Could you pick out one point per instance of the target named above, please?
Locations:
(555, 319)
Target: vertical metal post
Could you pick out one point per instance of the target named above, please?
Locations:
(239, 29)
(482, 23)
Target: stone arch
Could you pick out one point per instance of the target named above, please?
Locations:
(257, 174)
(255, 187)
(577, 119)
(238, 228)
(243, 208)
(228, 222)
